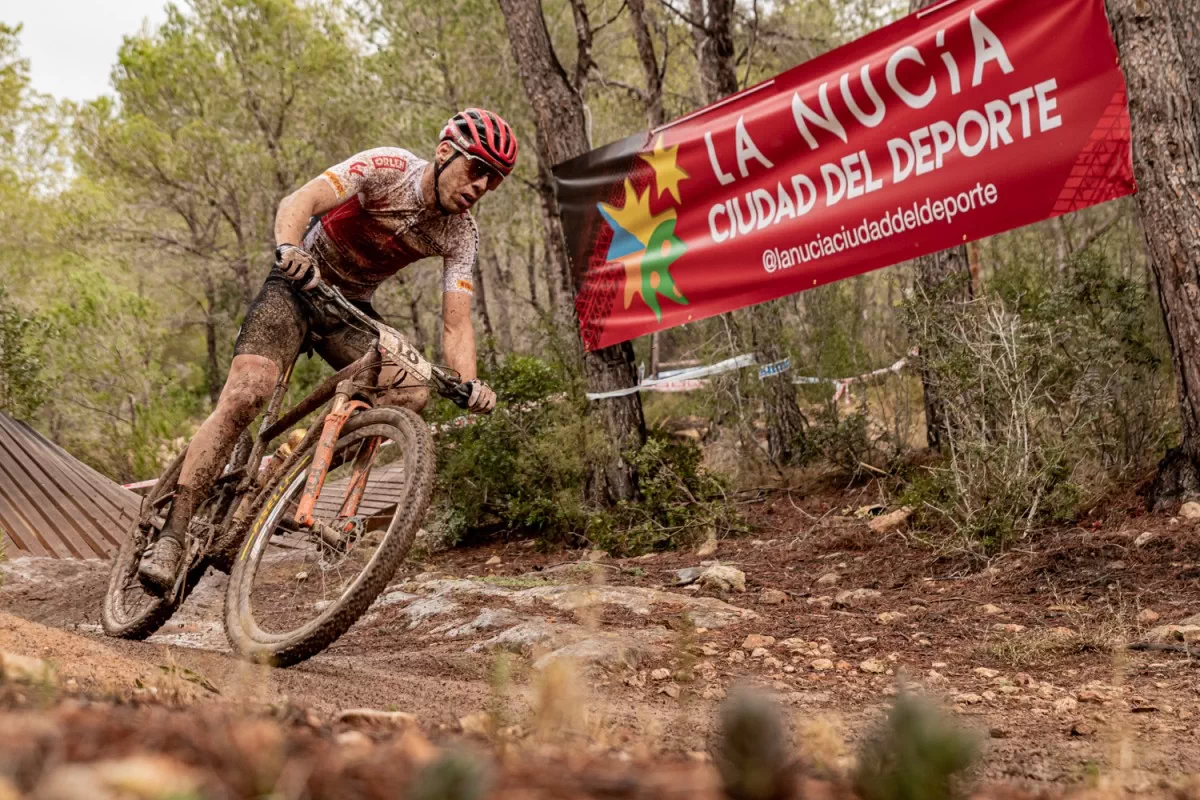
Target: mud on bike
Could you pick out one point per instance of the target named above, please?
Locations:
(305, 555)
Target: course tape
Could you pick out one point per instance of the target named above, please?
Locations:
(687, 380)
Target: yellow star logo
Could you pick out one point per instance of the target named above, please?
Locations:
(635, 218)
(667, 173)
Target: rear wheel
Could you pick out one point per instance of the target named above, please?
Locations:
(293, 592)
(129, 611)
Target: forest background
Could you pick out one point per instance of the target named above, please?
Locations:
(135, 228)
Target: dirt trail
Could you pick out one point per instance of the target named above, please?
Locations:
(1022, 652)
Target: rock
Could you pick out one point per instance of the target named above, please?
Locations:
(991, 610)
(968, 699)
(1144, 539)
(760, 652)
(687, 575)
(1065, 705)
(722, 578)
(374, 718)
(1089, 696)
(491, 562)
(998, 732)
(828, 579)
(476, 724)
(773, 597)
(822, 665)
(789, 669)
(856, 597)
(660, 674)
(985, 673)
(887, 523)
(1010, 627)
(1082, 728)
(488, 619)
(1186, 631)
(705, 612)
(713, 693)
(709, 546)
(888, 617)
(756, 640)
(737, 656)
(1190, 510)
(1024, 679)
(596, 556)
(670, 690)
(1059, 632)
(1148, 616)
(873, 666)
(24, 669)
(824, 601)
(935, 678)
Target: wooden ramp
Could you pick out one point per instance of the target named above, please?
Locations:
(52, 504)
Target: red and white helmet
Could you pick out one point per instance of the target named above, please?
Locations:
(478, 133)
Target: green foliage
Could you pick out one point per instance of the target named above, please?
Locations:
(23, 384)
(1054, 390)
(523, 469)
(918, 753)
(752, 753)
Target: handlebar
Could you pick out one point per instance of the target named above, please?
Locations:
(445, 381)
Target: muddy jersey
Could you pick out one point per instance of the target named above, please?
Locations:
(382, 225)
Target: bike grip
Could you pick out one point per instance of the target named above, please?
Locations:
(460, 395)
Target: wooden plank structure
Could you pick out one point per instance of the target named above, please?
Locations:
(385, 487)
(52, 504)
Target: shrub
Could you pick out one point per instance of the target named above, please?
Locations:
(523, 470)
(1048, 395)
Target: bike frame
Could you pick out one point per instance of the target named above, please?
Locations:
(344, 399)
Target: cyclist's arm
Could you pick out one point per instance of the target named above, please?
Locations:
(312, 199)
(458, 337)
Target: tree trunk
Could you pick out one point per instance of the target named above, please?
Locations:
(1185, 15)
(562, 134)
(502, 301)
(1166, 155)
(933, 274)
(481, 297)
(713, 39)
(212, 365)
(531, 263)
(786, 424)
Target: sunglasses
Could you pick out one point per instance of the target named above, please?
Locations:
(478, 168)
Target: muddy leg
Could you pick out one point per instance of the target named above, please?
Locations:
(411, 397)
(247, 389)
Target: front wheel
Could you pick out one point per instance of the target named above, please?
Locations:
(293, 592)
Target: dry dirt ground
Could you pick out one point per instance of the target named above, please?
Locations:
(510, 647)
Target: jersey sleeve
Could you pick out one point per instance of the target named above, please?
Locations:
(369, 172)
(461, 252)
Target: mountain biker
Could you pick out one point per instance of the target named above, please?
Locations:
(379, 210)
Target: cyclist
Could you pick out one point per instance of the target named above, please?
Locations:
(379, 211)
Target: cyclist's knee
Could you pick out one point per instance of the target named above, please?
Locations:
(412, 397)
(251, 381)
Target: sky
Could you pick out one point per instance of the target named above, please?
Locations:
(72, 44)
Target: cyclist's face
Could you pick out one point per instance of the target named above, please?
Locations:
(464, 180)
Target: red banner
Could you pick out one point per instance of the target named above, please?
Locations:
(965, 120)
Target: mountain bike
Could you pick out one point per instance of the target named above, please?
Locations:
(311, 534)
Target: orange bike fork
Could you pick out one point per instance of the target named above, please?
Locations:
(358, 479)
(342, 408)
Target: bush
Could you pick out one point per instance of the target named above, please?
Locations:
(1049, 398)
(523, 470)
